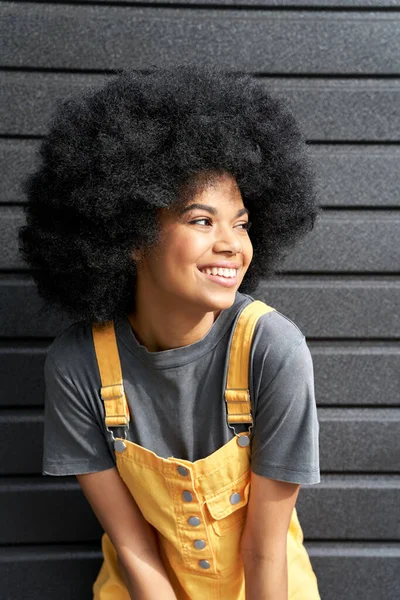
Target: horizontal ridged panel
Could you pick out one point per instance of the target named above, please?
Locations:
(50, 510)
(356, 571)
(355, 507)
(340, 242)
(346, 175)
(22, 375)
(355, 440)
(17, 159)
(345, 374)
(359, 440)
(354, 374)
(344, 571)
(49, 573)
(281, 4)
(28, 318)
(22, 442)
(56, 511)
(362, 110)
(263, 41)
(358, 175)
(343, 307)
(10, 220)
(28, 99)
(344, 110)
(349, 242)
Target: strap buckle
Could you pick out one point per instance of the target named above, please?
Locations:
(237, 434)
(240, 401)
(115, 414)
(124, 427)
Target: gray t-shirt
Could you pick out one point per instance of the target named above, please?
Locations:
(176, 399)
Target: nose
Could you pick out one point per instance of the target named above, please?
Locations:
(227, 241)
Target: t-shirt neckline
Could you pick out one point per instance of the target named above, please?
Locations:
(176, 357)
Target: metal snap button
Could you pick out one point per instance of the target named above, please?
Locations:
(199, 544)
(204, 564)
(187, 496)
(235, 498)
(119, 446)
(194, 521)
(243, 441)
(182, 470)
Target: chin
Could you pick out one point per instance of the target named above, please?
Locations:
(221, 301)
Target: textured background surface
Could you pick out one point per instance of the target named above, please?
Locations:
(339, 65)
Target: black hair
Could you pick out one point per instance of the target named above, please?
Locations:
(114, 155)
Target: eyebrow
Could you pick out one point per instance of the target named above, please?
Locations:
(211, 209)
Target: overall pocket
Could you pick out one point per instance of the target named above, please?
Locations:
(228, 507)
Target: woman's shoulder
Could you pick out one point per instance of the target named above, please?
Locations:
(276, 337)
(72, 351)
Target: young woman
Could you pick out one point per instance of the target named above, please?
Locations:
(161, 199)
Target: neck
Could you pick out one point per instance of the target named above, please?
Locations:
(166, 325)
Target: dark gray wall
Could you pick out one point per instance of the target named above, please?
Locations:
(339, 64)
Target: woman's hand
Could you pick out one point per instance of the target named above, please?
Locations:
(146, 579)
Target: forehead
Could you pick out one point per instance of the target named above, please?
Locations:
(219, 191)
(213, 189)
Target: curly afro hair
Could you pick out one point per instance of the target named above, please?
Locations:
(113, 156)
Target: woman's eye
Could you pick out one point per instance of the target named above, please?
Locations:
(197, 220)
(246, 225)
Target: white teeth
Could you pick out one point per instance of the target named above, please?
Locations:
(220, 271)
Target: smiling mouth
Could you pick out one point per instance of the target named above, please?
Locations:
(227, 273)
(226, 280)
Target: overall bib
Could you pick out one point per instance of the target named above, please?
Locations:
(197, 508)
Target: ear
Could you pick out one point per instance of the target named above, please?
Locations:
(137, 254)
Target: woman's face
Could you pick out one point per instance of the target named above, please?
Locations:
(209, 232)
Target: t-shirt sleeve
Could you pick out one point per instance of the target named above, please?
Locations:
(73, 440)
(285, 443)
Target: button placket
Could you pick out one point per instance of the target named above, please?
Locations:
(187, 496)
(190, 502)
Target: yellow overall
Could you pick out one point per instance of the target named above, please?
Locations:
(197, 508)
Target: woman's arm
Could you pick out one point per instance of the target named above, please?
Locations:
(264, 539)
(132, 536)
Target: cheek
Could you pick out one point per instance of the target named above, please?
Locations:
(185, 250)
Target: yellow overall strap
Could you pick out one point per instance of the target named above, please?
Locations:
(112, 390)
(237, 394)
